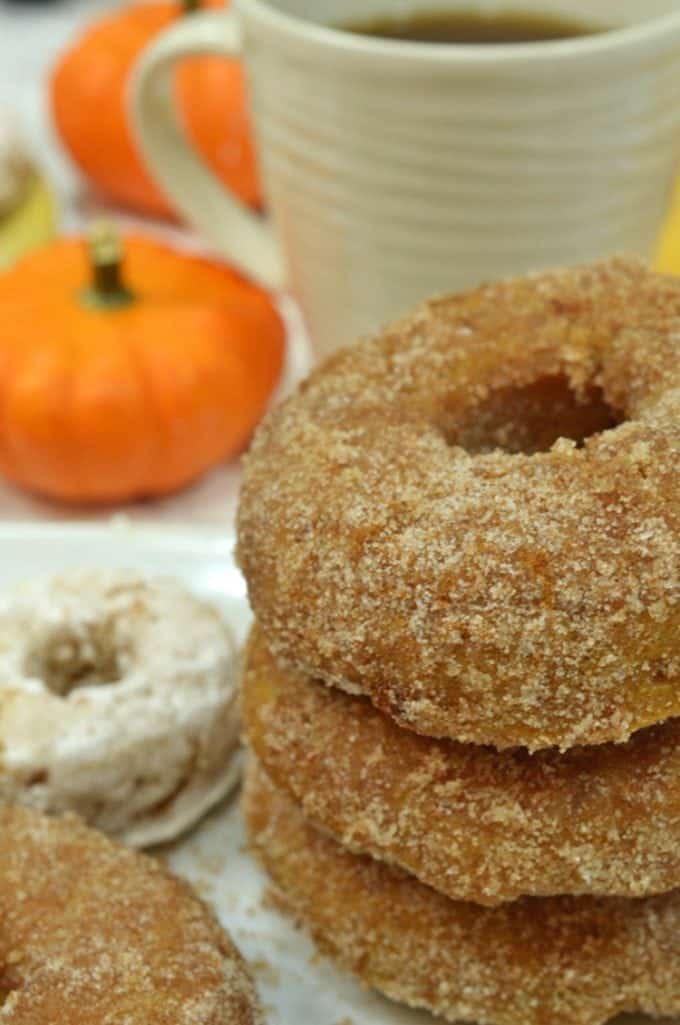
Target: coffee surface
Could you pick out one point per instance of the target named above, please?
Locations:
(474, 27)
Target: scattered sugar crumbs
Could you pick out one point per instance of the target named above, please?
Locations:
(265, 971)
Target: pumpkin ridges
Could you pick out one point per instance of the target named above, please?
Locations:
(35, 414)
(167, 455)
(206, 367)
(261, 342)
(162, 451)
(120, 421)
(6, 375)
(68, 399)
(9, 354)
(262, 346)
(215, 429)
(133, 433)
(40, 437)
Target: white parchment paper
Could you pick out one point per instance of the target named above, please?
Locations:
(296, 984)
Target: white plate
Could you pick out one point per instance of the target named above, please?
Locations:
(297, 986)
(203, 558)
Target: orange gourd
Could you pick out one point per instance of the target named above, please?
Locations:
(115, 386)
(90, 109)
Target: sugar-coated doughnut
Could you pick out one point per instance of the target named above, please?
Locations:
(538, 961)
(474, 823)
(91, 932)
(474, 517)
(118, 701)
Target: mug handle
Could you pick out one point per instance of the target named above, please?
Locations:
(234, 231)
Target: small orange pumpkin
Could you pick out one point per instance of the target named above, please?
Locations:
(90, 108)
(120, 386)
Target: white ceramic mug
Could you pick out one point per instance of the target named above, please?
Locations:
(397, 169)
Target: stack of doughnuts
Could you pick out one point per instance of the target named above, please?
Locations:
(462, 692)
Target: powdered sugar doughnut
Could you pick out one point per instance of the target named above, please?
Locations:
(117, 701)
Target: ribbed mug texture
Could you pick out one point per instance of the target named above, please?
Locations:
(394, 171)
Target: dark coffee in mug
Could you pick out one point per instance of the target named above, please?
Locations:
(474, 27)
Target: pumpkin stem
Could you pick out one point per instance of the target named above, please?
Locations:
(107, 290)
(191, 5)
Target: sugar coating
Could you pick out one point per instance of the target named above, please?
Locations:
(415, 526)
(538, 961)
(118, 701)
(472, 822)
(93, 932)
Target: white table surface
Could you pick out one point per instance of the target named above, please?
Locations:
(31, 37)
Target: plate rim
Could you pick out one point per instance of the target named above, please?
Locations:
(203, 537)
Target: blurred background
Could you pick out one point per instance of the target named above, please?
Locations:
(48, 49)
(67, 160)
(32, 36)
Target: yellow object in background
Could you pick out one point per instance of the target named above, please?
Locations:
(668, 252)
(27, 206)
(29, 224)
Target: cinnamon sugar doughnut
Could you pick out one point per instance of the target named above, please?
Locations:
(118, 701)
(416, 524)
(93, 933)
(539, 961)
(474, 823)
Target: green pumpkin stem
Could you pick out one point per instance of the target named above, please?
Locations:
(191, 5)
(107, 290)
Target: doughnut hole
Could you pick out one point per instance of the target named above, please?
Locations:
(531, 418)
(69, 658)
